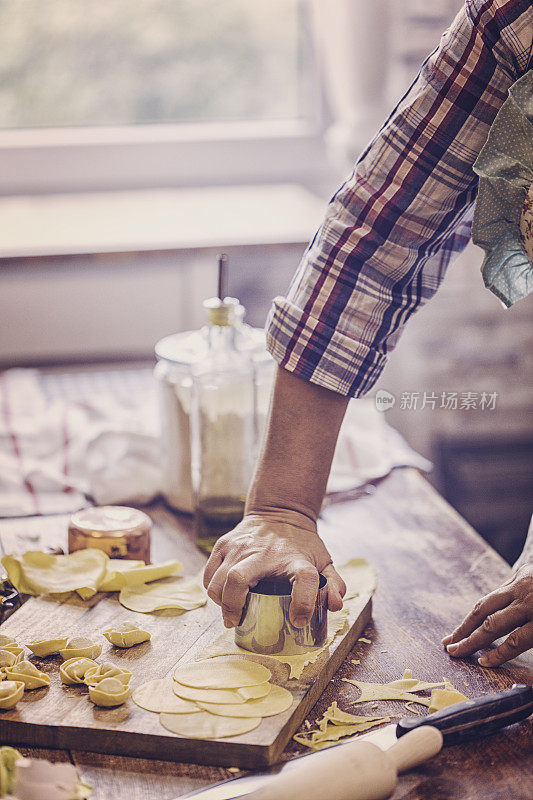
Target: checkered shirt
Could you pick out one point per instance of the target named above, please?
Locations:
(393, 227)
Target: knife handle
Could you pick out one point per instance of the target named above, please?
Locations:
(475, 718)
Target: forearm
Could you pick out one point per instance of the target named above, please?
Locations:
(278, 534)
(302, 430)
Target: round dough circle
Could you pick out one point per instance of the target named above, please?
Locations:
(157, 695)
(278, 700)
(207, 726)
(222, 674)
(229, 696)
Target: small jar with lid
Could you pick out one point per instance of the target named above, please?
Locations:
(119, 531)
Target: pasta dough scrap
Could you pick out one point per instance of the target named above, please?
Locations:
(134, 573)
(109, 692)
(36, 572)
(225, 646)
(126, 635)
(275, 702)
(404, 689)
(383, 691)
(94, 675)
(442, 698)
(359, 577)
(113, 580)
(158, 696)
(336, 724)
(176, 592)
(81, 647)
(411, 684)
(28, 673)
(47, 647)
(230, 696)
(333, 733)
(74, 670)
(10, 693)
(222, 674)
(208, 726)
(336, 716)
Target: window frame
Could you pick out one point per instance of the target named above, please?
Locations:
(149, 156)
(140, 156)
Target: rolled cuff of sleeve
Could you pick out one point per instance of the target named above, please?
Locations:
(320, 354)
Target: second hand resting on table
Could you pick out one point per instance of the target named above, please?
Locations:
(278, 535)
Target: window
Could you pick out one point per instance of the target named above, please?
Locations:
(78, 79)
(109, 62)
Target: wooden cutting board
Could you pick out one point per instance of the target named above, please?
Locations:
(63, 716)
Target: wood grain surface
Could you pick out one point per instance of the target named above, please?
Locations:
(431, 568)
(63, 716)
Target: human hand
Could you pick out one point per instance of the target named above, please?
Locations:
(271, 544)
(506, 610)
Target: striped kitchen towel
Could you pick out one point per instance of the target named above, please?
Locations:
(57, 454)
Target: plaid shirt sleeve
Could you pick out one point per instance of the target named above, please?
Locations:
(391, 230)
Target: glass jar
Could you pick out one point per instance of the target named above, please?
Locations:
(214, 388)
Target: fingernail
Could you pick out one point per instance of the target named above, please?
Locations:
(446, 639)
(300, 622)
(483, 661)
(451, 648)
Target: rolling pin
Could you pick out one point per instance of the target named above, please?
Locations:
(355, 771)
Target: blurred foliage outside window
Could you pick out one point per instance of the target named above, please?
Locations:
(120, 62)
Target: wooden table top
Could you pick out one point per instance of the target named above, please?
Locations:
(431, 568)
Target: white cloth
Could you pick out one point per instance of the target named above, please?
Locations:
(58, 455)
(368, 448)
(55, 455)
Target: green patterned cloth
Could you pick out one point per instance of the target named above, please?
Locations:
(503, 218)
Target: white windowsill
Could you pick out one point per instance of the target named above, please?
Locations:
(162, 219)
(99, 135)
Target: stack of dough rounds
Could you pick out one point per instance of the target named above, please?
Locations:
(222, 674)
(214, 699)
(158, 696)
